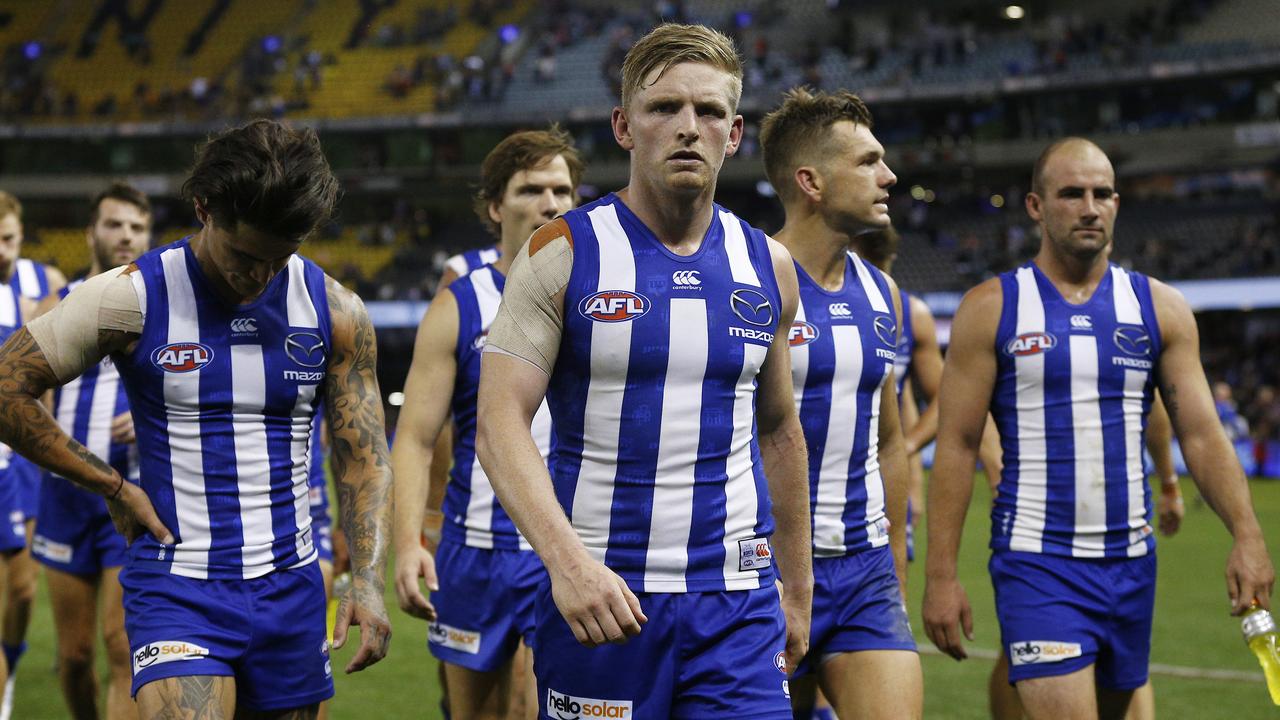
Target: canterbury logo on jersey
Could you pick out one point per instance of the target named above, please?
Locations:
(1081, 322)
(182, 357)
(614, 306)
(685, 279)
(244, 326)
(1030, 344)
(802, 333)
(838, 310)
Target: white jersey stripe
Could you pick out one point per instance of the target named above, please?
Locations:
(735, 246)
(27, 278)
(610, 347)
(741, 503)
(140, 289)
(674, 479)
(186, 454)
(1134, 383)
(1128, 310)
(1090, 469)
(301, 311)
(253, 465)
(1028, 526)
(799, 361)
(8, 308)
(833, 477)
(480, 503)
(873, 479)
(103, 406)
(878, 301)
(489, 255)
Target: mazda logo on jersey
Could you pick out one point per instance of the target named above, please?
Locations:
(614, 306)
(1030, 344)
(886, 330)
(182, 357)
(305, 348)
(1132, 340)
(802, 333)
(751, 307)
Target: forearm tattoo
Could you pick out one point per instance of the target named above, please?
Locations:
(26, 424)
(360, 460)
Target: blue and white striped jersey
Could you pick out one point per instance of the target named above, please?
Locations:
(906, 345)
(31, 278)
(85, 407)
(1074, 385)
(842, 351)
(656, 459)
(317, 482)
(471, 510)
(468, 262)
(223, 398)
(10, 321)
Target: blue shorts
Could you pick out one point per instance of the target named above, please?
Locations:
(700, 655)
(484, 606)
(1059, 614)
(13, 520)
(30, 478)
(74, 533)
(856, 606)
(322, 538)
(268, 633)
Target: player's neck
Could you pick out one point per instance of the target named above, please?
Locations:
(1075, 277)
(507, 252)
(816, 247)
(6, 274)
(679, 222)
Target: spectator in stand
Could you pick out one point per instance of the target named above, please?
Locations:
(1236, 427)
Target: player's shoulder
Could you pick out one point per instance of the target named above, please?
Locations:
(985, 300)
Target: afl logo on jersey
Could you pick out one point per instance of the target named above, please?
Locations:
(182, 357)
(802, 333)
(614, 306)
(1030, 344)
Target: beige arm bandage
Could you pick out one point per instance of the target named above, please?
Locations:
(68, 334)
(529, 322)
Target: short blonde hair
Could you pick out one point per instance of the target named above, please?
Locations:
(10, 205)
(795, 132)
(670, 44)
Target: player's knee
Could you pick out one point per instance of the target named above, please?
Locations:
(22, 588)
(117, 643)
(75, 658)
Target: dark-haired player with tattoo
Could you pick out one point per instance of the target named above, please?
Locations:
(226, 342)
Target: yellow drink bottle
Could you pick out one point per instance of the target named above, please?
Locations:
(1259, 630)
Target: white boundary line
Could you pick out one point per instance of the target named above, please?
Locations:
(1180, 671)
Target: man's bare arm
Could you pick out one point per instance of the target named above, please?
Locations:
(362, 471)
(1209, 454)
(1169, 506)
(427, 392)
(926, 370)
(894, 469)
(965, 395)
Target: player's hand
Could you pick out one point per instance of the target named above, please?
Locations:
(363, 606)
(596, 603)
(1170, 510)
(133, 515)
(122, 428)
(797, 608)
(946, 612)
(413, 563)
(1250, 575)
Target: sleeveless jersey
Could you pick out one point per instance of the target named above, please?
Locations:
(1074, 385)
(467, 262)
(223, 398)
(474, 516)
(85, 407)
(30, 278)
(317, 482)
(656, 460)
(906, 345)
(842, 350)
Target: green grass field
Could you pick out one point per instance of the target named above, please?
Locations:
(1192, 629)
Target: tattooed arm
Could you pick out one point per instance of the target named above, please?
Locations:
(1209, 454)
(27, 373)
(362, 472)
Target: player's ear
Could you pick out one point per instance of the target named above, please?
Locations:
(810, 182)
(494, 215)
(622, 129)
(735, 136)
(1033, 206)
(202, 213)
